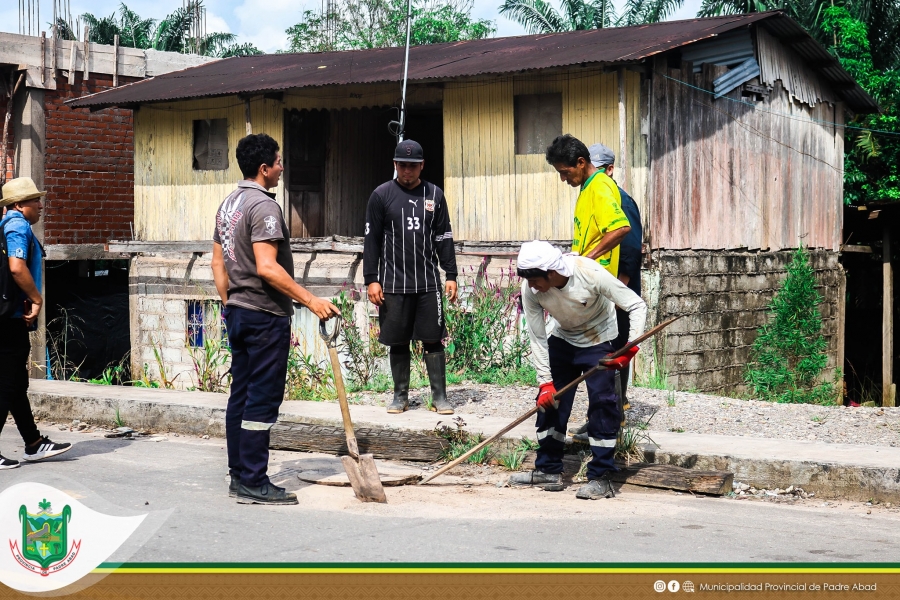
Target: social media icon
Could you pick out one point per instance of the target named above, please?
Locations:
(660, 586)
(688, 586)
(674, 586)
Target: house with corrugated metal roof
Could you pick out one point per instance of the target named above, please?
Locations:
(728, 133)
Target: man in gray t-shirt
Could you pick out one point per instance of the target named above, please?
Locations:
(254, 273)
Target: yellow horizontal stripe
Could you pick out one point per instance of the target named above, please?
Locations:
(599, 570)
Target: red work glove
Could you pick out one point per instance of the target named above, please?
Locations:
(619, 363)
(545, 396)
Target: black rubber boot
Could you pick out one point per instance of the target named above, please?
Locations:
(234, 484)
(436, 365)
(400, 373)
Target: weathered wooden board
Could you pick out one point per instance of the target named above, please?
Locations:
(675, 478)
(655, 475)
(388, 444)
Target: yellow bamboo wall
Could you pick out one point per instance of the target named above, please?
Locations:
(493, 193)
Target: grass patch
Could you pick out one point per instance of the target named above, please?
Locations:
(461, 441)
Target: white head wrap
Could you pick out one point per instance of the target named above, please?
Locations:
(543, 256)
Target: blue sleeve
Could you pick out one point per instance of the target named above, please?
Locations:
(18, 240)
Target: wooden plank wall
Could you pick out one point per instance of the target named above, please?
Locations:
(173, 202)
(495, 194)
(735, 173)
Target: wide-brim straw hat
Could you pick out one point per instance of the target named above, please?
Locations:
(20, 189)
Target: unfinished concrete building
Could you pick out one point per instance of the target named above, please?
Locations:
(85, 161)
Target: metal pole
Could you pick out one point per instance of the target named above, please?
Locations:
(405, 73)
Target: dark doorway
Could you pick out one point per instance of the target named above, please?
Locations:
(87, 317)
(306, 138)
(863, 261)
(426, 126)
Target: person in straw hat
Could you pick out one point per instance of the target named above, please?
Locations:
(23, 204)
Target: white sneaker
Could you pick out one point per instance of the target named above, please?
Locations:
(8, 463)
(45, 449)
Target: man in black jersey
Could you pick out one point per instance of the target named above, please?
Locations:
(407, 234)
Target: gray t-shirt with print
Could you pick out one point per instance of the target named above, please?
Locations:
(250, 214)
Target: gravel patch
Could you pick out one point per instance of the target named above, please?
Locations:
(687, 412)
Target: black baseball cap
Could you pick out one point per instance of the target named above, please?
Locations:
(409, 151)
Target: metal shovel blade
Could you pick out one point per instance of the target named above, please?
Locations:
(364, 478)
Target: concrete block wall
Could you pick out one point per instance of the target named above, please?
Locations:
(723, 296)
(161, 285)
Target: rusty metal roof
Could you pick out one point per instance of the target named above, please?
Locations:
(279, 72)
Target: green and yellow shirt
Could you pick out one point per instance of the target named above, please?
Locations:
(597, 212)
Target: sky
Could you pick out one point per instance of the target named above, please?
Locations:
(261, 22)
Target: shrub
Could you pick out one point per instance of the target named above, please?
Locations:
(362, 352)
(307, 379)
(788, 355)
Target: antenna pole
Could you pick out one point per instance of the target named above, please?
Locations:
(405, 73)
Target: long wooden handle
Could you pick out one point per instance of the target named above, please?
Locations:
(565, 389)
(352, 447)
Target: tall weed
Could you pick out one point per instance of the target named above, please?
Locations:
(485, 327)
(307, 379)
(363, 351)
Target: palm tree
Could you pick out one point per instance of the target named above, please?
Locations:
(539, 16)
(175, 33)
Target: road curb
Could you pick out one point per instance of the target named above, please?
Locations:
(198, 413)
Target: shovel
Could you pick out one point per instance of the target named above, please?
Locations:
(360, 468)
(531, 412)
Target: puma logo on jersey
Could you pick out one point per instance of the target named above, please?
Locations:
(414, 202)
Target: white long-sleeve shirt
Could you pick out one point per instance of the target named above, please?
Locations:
(582, 312)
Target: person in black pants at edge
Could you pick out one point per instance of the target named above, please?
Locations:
(20, 305)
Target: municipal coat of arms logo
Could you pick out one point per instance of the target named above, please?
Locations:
(45, 540)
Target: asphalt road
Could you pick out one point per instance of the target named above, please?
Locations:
(435, 523)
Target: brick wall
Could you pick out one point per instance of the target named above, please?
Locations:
(89, 167)
(723, 296)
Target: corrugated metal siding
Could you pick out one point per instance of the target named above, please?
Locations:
(776, 63)
(730, 175)
(729, 49)
(495, 194)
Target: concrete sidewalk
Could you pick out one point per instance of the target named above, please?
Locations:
(852, 472)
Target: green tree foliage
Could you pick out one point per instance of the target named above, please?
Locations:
(361, 24)
(171, 34)
(539, 16)
(872, 160)
(789, 353)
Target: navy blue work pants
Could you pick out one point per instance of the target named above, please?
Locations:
(260, 343)
(567, 362)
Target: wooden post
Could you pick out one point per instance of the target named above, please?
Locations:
(888, 391)
(247, 115)
(622, 161)
(116, 60)
(87, 52)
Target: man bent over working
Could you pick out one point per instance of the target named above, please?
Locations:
(581, 298)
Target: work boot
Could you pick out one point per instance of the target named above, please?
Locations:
(234, 485)
(436, 365)
(400, 373)
(596, 489)
(264, 494)
(579, 434)
(622, 389)
(547, 481)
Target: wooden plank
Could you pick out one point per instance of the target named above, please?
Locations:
(888, 389)
(654, 475)
(389, 444)
(670, 477)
